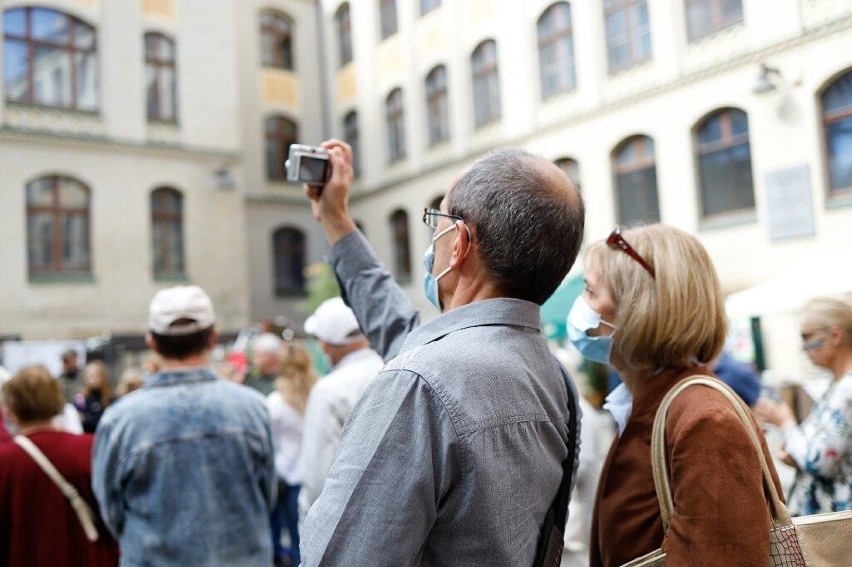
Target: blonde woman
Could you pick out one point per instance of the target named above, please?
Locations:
(653, 309)
(95, 396)
(286, 410)
(821, 447)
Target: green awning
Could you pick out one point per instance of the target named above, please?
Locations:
(555, 309)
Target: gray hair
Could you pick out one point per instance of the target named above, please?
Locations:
(528, 225)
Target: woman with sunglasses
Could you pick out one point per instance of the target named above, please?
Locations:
(821, 447)
(653, 309)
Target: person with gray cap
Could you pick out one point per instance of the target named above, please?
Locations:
(461, 450)
(188, 458)
(332, 398)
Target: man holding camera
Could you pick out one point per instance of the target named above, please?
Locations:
(454, 454)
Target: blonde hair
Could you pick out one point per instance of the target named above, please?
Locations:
(830, 312)
(673, 318)
(297, 376)
(131, 379)
(33, 394)
(106, 387)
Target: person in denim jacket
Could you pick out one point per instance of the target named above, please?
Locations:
(183, 470)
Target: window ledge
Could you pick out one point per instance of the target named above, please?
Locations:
(61, 278)
(839, 201)
(728, 220)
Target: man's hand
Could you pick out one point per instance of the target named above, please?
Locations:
(778, 414)
(330, 203)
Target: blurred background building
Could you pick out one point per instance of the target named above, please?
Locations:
(143, 141)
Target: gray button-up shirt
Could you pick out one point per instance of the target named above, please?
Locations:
(453, 455)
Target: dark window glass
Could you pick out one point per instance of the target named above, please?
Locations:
(837, 120)
(167, 232)
(50, 58)
(427, 6)
(437, 105)
(344, 33)
(276, 40)
(58, 240)
(704, 17)
(395, 117)
(556, 50)
(160, 78)
(387, 17)
(288, 246)
(280, 133)
(571, 169)
(724, 163)
(401, 246)
(352, 137)
(628, 32)
(486, 83)
(636, 181)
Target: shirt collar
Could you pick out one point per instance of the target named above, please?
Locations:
(188, 374)
(500, 311)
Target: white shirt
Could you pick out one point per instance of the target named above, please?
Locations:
(329, 404)
(286, 436)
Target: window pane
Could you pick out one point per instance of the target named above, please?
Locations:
(739, 122)
(839, 95)
(71, 194)
(52, 77)
(40, 240)
(167, 94)
(637, 197)
(87, 97)
(49, 25)
(711, 130)
(40, 192)
(840, 154)
(75, 253)
(274, 166)
(726, 182)
(15, 68)
(15, 22)
(289, 258)
(84, 36)
(731, 9)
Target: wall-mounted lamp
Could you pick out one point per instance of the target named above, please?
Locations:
(764, 80)
(223, 178)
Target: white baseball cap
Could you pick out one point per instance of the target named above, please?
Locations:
(334, 323)
(180, 302)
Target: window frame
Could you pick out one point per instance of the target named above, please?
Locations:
(437, 105)
(279, 136)
(164, 217)
(828, 117)
(58, 213)
(566, 76)
(395, 123)
(68, 47)
(157, 64)
(485, 74)
(281, 38)
(644, 163)
(293, 249)
(614, 7)
(727, 142)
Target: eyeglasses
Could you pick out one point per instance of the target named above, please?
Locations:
(616, 241)
(432, 216)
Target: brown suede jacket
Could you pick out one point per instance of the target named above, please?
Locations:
(721, 515)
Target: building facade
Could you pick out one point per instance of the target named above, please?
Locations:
(170, 120)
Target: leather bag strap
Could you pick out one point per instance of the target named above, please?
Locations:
(777, 509)
(84, 513)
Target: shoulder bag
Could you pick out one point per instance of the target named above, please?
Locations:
(84, 513)
(819, 540)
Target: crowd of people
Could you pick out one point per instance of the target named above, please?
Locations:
(443, 443)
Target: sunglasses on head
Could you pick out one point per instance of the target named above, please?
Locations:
(616, 242)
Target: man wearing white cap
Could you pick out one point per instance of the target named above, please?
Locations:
(187, 458)
(333, 397)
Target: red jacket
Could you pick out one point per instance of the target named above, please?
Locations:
(720, 508)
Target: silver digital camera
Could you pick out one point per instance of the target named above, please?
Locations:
(308, 164)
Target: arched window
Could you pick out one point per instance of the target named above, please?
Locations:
(352, 137)
(49, 58)
(343, 21)
(556, 50)
(288, 245)
(167, 232)
(486, 83)
(704, 17)
(571, 169)
(395, 118)
(437, 105)
(58, 237)
(387, 18)
(837, 122)
(276, 40)
(160, 78)
(280, 133)
(635, 171)
(724, 162)
(628, 32)
(401, 245)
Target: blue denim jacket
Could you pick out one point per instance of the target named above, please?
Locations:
(184, 472)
